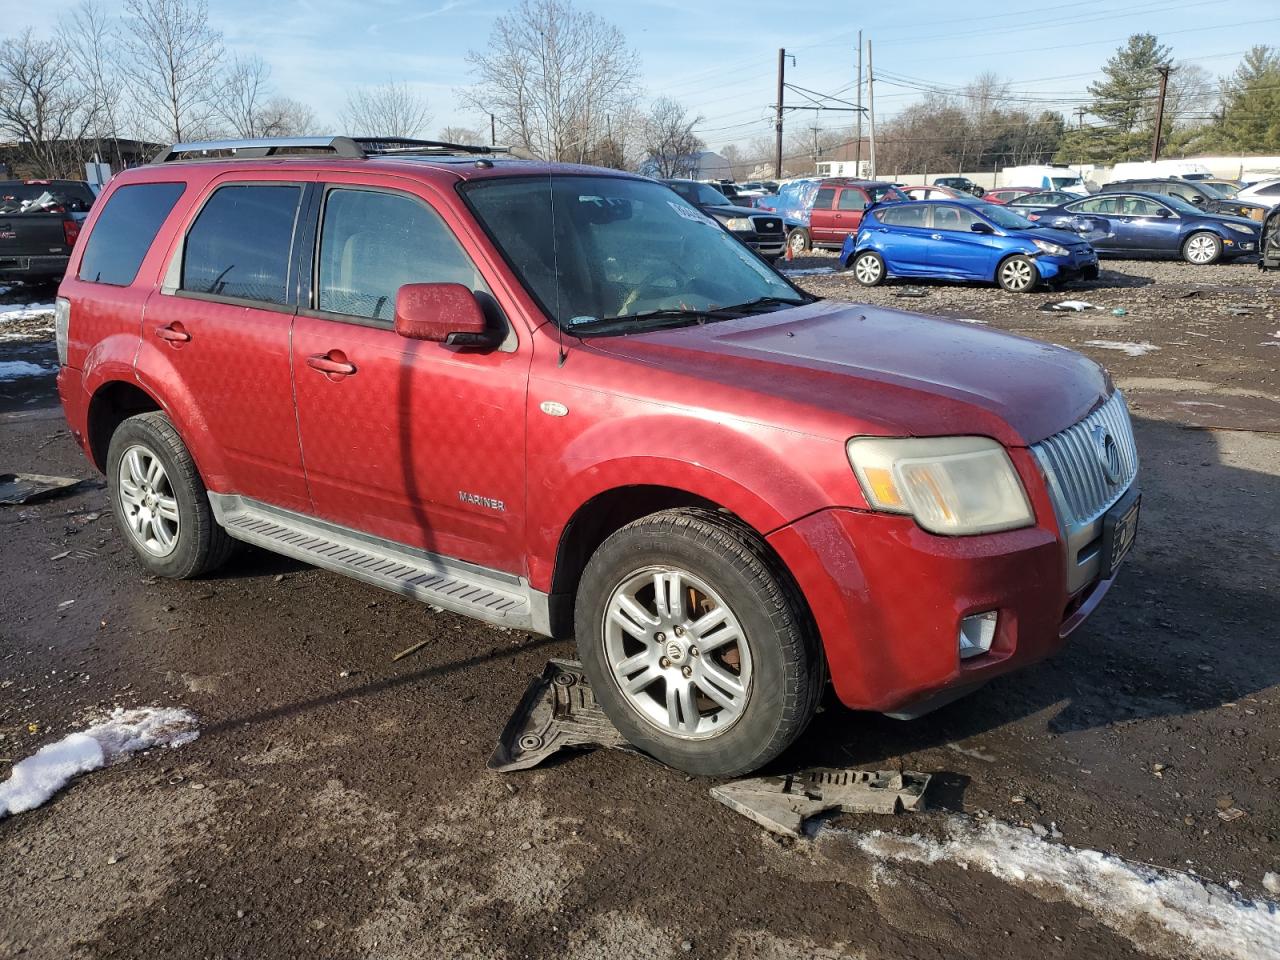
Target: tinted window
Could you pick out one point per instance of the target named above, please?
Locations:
(1096, 205)
(373, 243)
(852, 199)
(907, 215)
(241, 242)
(1138, 207)
(826, 196)
(952, 218)
(125, 230)
(45, 196)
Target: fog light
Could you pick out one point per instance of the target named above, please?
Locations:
(976, 634)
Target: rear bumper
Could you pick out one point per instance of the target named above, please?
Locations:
(888, 598)
(33, 268)
(75, 406)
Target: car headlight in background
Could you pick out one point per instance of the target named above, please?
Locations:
(740, 224)
(1241, 228)
(1053, 249)
(950, 485)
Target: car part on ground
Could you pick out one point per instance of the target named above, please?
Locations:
(782, 804)
(557, 712)
(20, 488)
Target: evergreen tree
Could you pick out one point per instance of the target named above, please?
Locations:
(1251, 104)
(1124, 105)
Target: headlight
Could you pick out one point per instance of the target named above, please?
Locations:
(951, 485)
(739, 224)
(1053, 249)
(1240, 228)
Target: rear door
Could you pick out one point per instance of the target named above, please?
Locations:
(905, 240)
(219, 329)
(420, 443)
(822, 217)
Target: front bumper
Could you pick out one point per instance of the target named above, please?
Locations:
(1077, 266)
(767, 245)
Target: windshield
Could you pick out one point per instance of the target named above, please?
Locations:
(593, 249)
(17, 196)
(1059, 182)
(1224, 190)
(882, 194)
(1003, 216)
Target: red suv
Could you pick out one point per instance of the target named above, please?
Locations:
(562, 399)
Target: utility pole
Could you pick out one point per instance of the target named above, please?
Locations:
(1080, 112)
(871, 105)
(777, 148)
(857, 140)
(1164, 88)
(493, 131)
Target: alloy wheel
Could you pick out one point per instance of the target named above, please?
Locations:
(148, 502)
(867, 270)
(677, 652)
(1201, 248)
(1017, 275)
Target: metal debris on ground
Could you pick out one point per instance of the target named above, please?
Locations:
(1244, 310)
(1184, 294)
(911, 292)
(558, 711)
(1071, 305)
(782, 804)
(17, 488)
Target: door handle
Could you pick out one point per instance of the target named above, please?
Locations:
(935, 236)
(174, 333)
(334, 363)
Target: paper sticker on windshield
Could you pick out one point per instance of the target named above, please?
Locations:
(691, 214)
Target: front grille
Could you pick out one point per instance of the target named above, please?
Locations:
(767, 224)
(1074, 461)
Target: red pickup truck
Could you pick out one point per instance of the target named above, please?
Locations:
(563, 400)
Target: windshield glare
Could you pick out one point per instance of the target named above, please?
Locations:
(596, 248)
(1003, 216)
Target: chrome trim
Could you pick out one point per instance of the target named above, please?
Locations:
(1075, 465)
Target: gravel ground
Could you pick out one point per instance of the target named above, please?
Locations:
(337, 803)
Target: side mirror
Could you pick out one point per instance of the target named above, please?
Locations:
(1197, 199)
(980, 227)
(442, 313)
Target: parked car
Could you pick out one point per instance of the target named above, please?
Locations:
(1265, 192)
(560, 399)
(836, 212)
(1149, 224)
(1208, 198)
(935, 192)
(1030, 202)
(1046, 177)
(762, 186)
(954, 240)
(1009, 194)
(962, 184)
(39, 223)
(730, 191)
(762, 232)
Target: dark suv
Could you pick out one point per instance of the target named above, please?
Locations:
(762, 232)
(963, 184)
(563, 400)
(1207, 196)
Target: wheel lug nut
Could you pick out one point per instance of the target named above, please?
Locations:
(693, 651)
(679, 631)
(660, 637)
(664, 663)
(687, 671)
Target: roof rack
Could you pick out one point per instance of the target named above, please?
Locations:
(354, 148)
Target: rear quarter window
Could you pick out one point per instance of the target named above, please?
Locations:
(125, 230)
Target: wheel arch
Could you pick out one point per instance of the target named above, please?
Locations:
(112, 403)
(1009, 255)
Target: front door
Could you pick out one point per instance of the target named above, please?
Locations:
(849, 206)
(822, 218)
(418, 443)
(220, 328)
(957, 249)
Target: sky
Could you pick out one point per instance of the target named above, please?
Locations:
(720, 60)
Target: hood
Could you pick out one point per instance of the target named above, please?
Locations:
(732, 210)
(845, 368)
(1064, 237)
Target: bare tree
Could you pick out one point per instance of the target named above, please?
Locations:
(240, 96)
(670, 145)
(88, 35)
(462, 135)
(390, 110)
(284, 117)
(171, 56)
(555, 77)
(43, 107)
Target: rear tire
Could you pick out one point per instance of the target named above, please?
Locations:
(1202, 248)
(159, 501)
(798, 241)
(690, 612)
(868, 268)
(1018, 274)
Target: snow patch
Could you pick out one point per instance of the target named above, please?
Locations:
(37, 778)
(1132, 349)
(13, 369)
(808, 271)
(1130, 898)
(29, 311)
(969, 320)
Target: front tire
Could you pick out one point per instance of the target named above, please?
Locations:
(1018, 274)
(159, 501)
(698, 647)
(1202, 249)
(868, 268)
(798, 241)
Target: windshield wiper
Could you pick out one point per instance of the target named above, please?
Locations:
(750, 305)
(673, 316)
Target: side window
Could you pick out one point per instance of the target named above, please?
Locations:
(1271, 191)
(952, 218)
(826, 196)
(125, 231)
(372, 243)
(240, 243)
(851, 198)
(1138, 207)
(906, 215)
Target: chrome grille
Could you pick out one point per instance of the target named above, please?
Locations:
(1074, 462)
(767, 224)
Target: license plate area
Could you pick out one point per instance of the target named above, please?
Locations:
(1119, 532)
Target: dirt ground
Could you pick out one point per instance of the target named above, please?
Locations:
(337, 805)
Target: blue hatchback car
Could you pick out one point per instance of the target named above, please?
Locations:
(958, 240)
(1152, 225)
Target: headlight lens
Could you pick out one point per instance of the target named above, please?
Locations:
(1240, 228)
(950, 485)
(1053, 249)
(739, 224)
